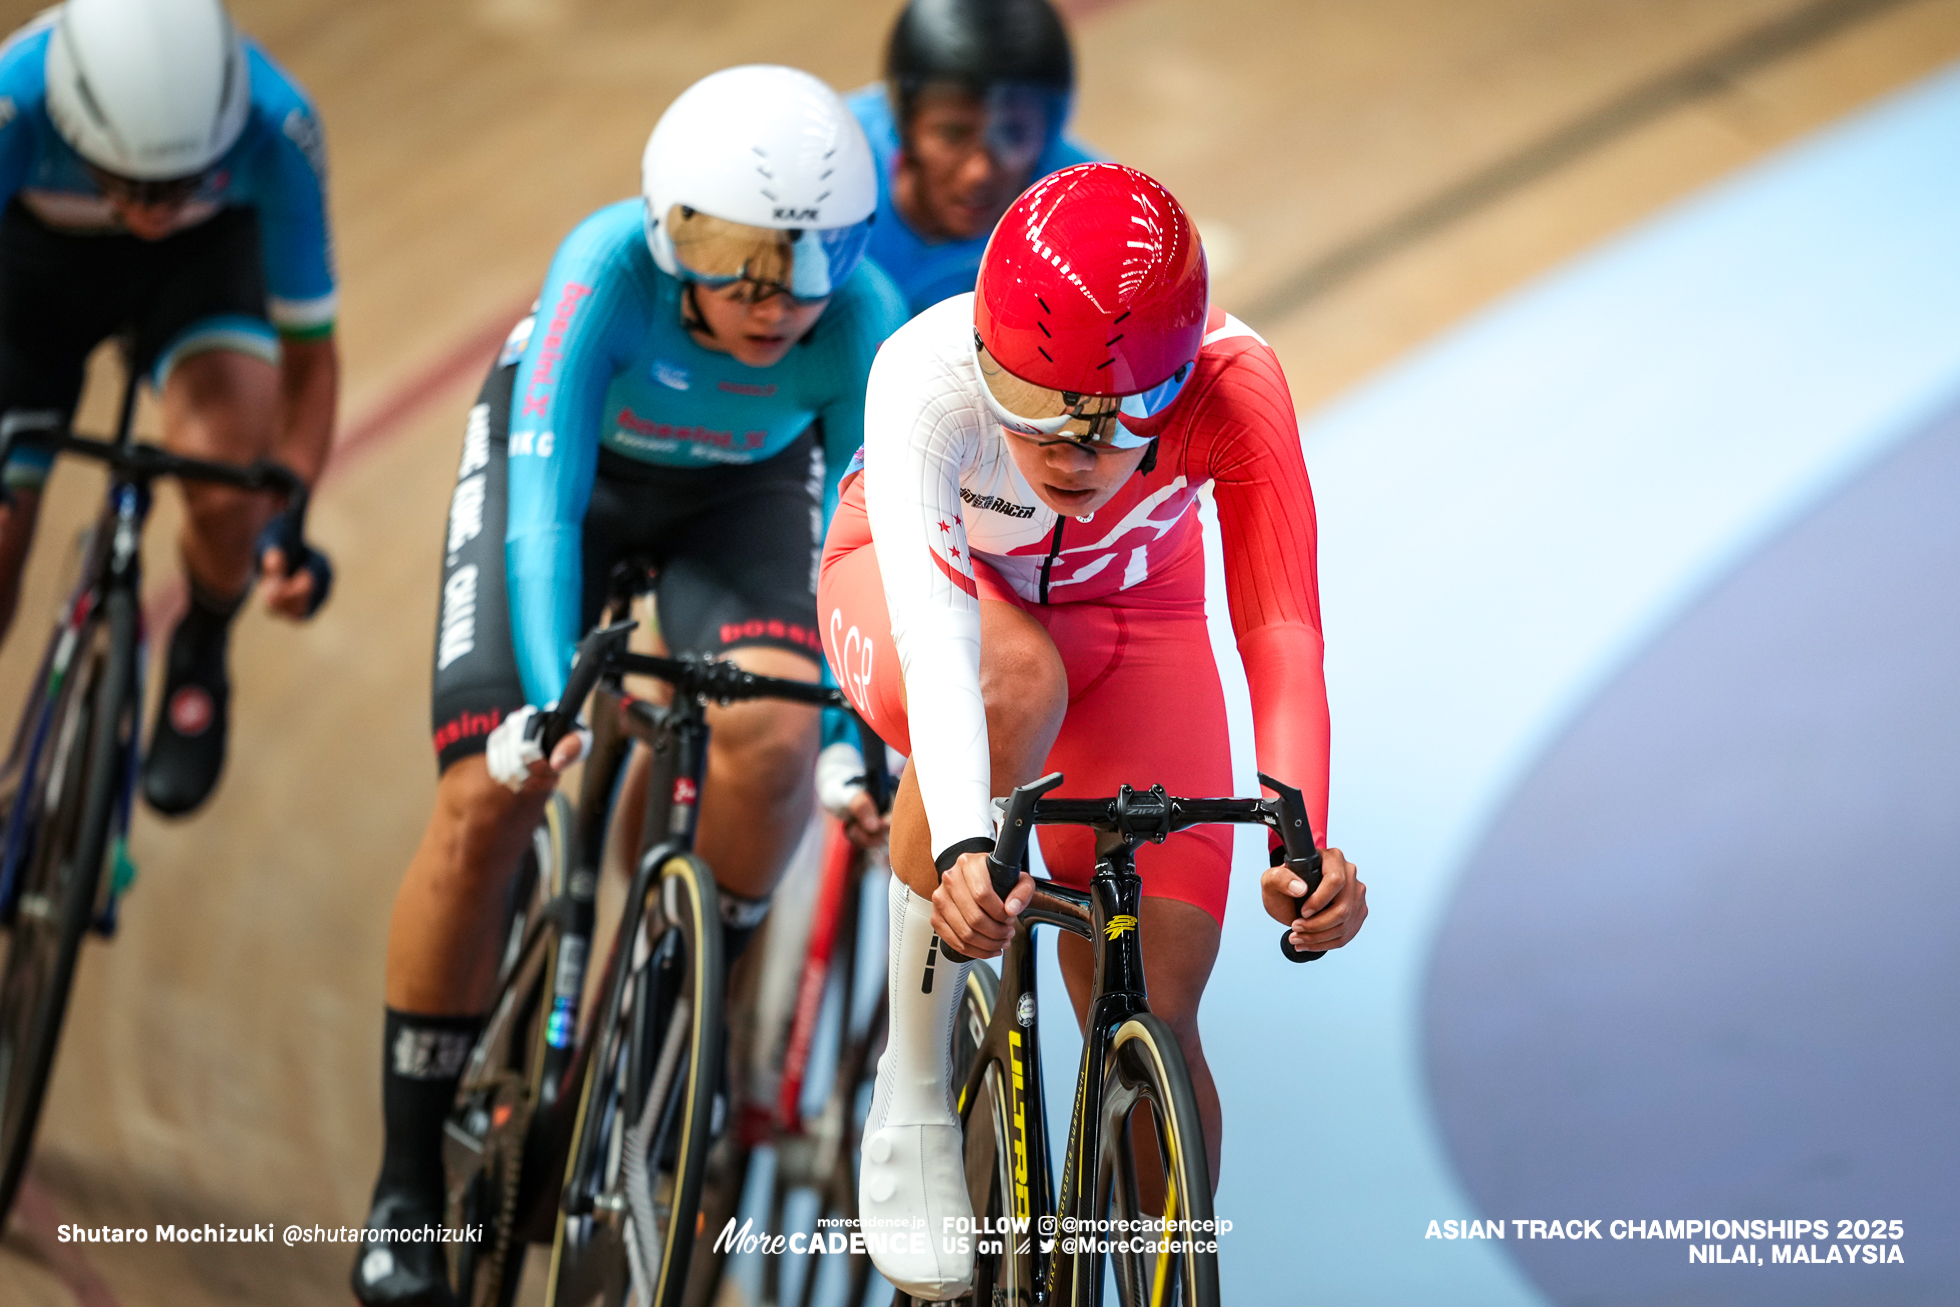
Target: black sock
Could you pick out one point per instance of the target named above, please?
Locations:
(421, 1061)
(207, 620)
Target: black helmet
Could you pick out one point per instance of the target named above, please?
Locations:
(977, 44)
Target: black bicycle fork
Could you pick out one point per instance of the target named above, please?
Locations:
(1107, 915)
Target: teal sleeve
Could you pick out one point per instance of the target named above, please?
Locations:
(22, 88)
(588, 322)
(839, 727)
(289, 189)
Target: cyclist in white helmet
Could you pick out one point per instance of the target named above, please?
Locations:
(163, 179)
(688, 390)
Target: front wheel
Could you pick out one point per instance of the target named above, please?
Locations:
(627, 1225)
(1148, 1081)
(994, 1116)
(58, 826)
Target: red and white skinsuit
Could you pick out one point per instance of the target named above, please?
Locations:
(941, 518)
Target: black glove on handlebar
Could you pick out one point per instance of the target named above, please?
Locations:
(283, 534)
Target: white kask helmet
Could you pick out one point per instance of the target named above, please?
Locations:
(151, 90)
(759, 174)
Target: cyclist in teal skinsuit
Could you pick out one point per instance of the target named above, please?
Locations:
(612, 357)
(687, 392)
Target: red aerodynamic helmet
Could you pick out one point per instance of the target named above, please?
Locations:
(1093, 283)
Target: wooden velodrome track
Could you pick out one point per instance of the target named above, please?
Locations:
(1366, 171)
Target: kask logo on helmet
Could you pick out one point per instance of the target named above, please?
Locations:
(796, 215)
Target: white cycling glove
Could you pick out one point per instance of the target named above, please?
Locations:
(513, 746)
(840, 776)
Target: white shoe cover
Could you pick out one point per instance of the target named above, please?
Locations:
(910, 1172)
(912, 1180)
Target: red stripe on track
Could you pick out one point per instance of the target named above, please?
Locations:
(38, 1219)
(465, 360)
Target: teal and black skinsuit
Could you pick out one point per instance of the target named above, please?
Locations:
(607, 432)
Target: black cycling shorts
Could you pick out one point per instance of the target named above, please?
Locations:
(64, 293)
(735, 549)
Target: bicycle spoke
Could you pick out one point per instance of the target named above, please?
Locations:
(647, 1219)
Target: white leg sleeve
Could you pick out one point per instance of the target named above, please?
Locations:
(912, 1178)
(915, 1075)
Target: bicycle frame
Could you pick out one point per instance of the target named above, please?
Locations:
(113, 562)
(834, 930)
(574, 1028)
(607, 1060)
(1106, 916)
(677, 737)
(1013, 1037)
(74, 758)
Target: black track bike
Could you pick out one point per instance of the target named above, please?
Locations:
(68, 780)
(1044, 1245)
(586, 1124)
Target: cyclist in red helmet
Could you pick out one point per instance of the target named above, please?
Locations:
(1014, 584)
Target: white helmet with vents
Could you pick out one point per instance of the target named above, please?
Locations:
(759, 175)
(151, 90)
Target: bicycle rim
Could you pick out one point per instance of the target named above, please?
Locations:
(649, 1098)
(724, 1186)
(1147, 1076)
(666, 1149)
(489, 1130)
(70, 801)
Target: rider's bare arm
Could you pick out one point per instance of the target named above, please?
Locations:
(309, 387)
(309, 384)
